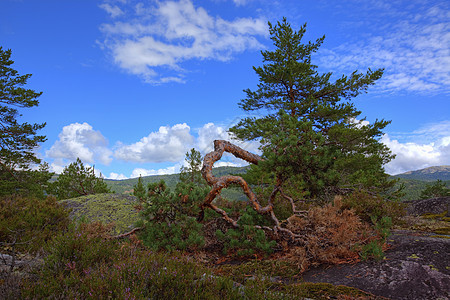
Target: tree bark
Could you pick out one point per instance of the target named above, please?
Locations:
(217, 184)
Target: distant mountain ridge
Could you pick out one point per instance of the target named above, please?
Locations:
(427, 174)
(125, 186)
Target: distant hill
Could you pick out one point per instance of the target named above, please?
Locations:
(414, 181)
(428, 174)
(126, 186)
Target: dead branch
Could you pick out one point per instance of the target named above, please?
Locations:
(120, 236)
(217, 184)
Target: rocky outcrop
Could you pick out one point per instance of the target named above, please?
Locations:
(416, 267)
(428, 206)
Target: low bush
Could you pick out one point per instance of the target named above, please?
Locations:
(246, 240)
(369, 206)
(85, 263)
(170, 217)
(333, 235)
(27, 223)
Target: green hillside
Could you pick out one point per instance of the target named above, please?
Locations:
(126, 186)
(414, 181)
(428, 174)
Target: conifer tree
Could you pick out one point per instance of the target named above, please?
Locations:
(310, 137)
(139, 190)
(192, 172)
(18, 141)
(435, 189)
(77, 180)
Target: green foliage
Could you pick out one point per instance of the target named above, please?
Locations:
(18, 141)
(170, 217)
(372, 250)
(369, 206)
(26, 224)
(139, 190)
(84, 263)
(310, 133)
(435, 190)
(77, 180)
(247, 240)
(192, 172)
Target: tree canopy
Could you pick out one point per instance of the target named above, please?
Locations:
(18, 141)
(192, 172)
(77, 180)
(311, 134)
(435, 189)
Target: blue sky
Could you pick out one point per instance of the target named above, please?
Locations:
(130, 86)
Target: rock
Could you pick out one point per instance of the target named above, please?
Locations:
(428, 206)
(416, 267)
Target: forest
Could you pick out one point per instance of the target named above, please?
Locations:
(317, 195)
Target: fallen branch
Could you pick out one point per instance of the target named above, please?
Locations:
(120, 236)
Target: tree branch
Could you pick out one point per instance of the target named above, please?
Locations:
(217, 184)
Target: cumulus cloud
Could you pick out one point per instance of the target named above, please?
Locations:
(167, 144)
(148, 172)
(155, 40)
(428, 146)
(210, 132)
(115, 176)
(79, 141)
(414, 47)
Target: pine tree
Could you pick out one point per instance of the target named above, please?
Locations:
(311, 139)
(77, 180)
(435, 189)
(192, 172)
(139, 190)
(18, 141)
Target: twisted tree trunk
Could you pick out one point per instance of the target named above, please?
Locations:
(217, 184)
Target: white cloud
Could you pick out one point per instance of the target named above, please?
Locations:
(116, 176)
(426, 147)
(207, 134)
(210, 132)
(240, 2)
(148, 172)
(413, 47)
(79, 141)
(113, 10)
(155, 44)
(167, 144)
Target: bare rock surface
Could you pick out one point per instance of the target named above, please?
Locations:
(417, 266)
(428, 206)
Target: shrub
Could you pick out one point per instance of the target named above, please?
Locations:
(332, 234)
(85, 264)
(369, 206)
(246, 239)
(170, 217)
(28, 223)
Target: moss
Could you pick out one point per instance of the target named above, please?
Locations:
(266, 268)
(413, 256)
(436, 216)
(441, 236)
(433, 268)
(105, 208)
(442, 231)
